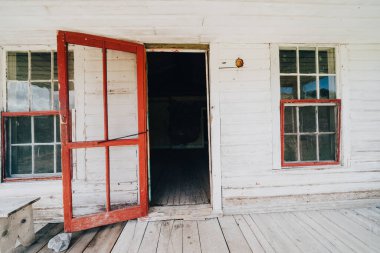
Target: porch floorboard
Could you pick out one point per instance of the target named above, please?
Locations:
(338, 230)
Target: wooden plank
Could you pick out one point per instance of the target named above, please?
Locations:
(125, 239)
(234, 237)
(256, 233)
(80, 245)
(163, 241)
(368, 238)
(191, 242)
(137, 237)
(298, 234)
(361, 220)
(323, 233)
(9, 206)
(272, 232)
(211, 236)
(368, 213)
(150, 240)
(42, 238)
(352, 242)
(175, 241)
(105, 239)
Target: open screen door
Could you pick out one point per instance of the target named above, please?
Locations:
(103, 137)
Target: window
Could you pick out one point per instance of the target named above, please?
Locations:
(31, 131)
(310, 110)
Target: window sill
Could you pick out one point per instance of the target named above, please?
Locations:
(23, 179)
(320, 166)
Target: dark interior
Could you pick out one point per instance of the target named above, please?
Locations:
(178, 133)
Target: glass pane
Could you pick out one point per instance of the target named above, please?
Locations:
(288, 87)
(20, 130)
(326, 58)
(326, 118)
(308, 146)
(41, 66)
(21, 160)
(122, 105)
(70, 65)
(307, 119)
(41, 96)
(58, 160)
(124, 171)
(17, 66)
(57, 129)
(307, 61)
(288, 61)
(308, 87)
(327, 147)
(290, 119)
(43, 129)
(18, 96)
(290, 148)
(44, 159)
(56, 96)
(327, 87)
(71, 95)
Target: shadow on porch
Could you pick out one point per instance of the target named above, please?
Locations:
(342, 230)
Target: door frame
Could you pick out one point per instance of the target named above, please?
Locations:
(215, 192)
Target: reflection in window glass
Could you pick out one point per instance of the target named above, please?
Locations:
(43, 129)
(307, 61)
(41, 96)
(327, 147)
(290, 152)
(290, 118)
(326, 60)
(44, 159)
(21, 159)
(288, 61)
(58, 160)
(41, 65)
(17, 66)
(326, 118)
(327, 87)
(17, 96)
(288, 87)
(308, 148)
(21, 130)
(308, 87)
(307, 119)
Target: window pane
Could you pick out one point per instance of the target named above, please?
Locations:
(327, 87)
(41, 66)
(20, 130)
(326, 118)
(288, 61)
(17, 66)
(308, 87)
(21, 160)
(307, 119)
(288, 87)
(70, 66)
(327, 147)
(56, 96)
(326, 58)
(58, 129)
(290, 119)
(41, 96)
(290, 148)
(71, 95)
(308, 148)
(58, 160)
(307, 61)
(43, 129)
(18, 96)
(44, 159)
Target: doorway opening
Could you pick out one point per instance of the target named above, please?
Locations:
(178, 128)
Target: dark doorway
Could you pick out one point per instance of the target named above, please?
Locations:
(178, 129)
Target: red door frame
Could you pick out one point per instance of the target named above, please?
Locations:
(109, 216)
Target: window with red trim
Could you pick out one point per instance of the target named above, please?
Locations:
(310, 110)
(30, 124)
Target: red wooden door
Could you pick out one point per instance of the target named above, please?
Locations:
(109, 213)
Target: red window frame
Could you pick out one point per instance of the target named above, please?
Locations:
(283, 102)
(5, 115)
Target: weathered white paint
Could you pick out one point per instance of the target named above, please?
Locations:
(244, 109)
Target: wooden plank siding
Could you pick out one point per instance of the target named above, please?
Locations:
(244, 102)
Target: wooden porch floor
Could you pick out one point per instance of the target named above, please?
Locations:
(344, 230)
